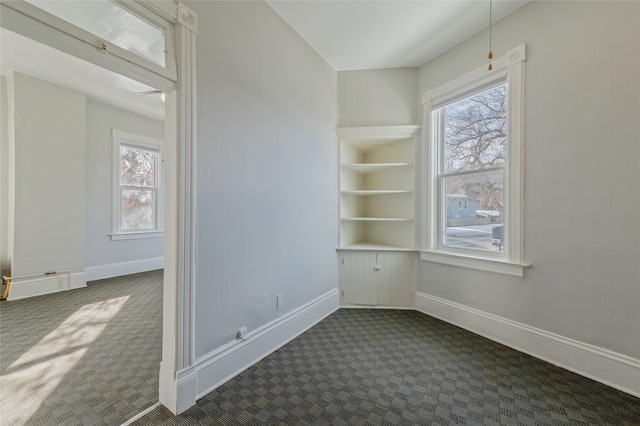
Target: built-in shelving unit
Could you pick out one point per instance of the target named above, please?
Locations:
(377, 177)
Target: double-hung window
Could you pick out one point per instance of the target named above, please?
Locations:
(473, 169)
(137, 186)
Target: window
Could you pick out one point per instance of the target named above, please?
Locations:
(137, 183)
(113, 23)
(472, 146)
(473, 169)
(123, 29)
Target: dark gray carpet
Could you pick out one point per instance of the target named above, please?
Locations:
(379, 367)
(85, 357)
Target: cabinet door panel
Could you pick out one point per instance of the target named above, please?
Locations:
(355, 279)
(396, 287)
(377, 278)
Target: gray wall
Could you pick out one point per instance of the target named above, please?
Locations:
(582, 154)
(99, 248)
(266, 171)
(49, 150)
(385, 97)
(61, 217)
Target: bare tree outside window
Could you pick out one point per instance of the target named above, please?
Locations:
(474, 156)
(475, 131)
(138, 188)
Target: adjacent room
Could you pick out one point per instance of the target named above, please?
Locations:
(88, 334)
(375, 212)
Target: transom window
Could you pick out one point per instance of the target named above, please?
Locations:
(122, 29)
(112, 23)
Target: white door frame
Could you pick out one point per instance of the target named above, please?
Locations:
(177, 388)
(177, 374)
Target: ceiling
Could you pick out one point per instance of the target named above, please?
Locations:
(29, 57)
(361, 34)
(349, 34)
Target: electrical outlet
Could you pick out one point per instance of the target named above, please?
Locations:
(242, 333)
(279, 301)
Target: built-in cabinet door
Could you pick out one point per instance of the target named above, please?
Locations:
(377, 278)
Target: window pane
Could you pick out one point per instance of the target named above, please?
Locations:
(137, 167)
(475, 131)
(137, 209)
(112, 23)
(474, 210)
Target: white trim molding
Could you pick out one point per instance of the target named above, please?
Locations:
(497, 266)
(377, 132)
(187, 18)
(224, 363)
(187, 396)
(141, 414)
(118, 269)
(137, 235)
(479, 77)
(54, 283)
(613, 369)
(180, 225)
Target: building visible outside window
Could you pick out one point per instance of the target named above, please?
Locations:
(137, 195)
(473, 168)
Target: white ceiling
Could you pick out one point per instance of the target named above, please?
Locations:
(349, 34)
(29, 57)
(361, 34)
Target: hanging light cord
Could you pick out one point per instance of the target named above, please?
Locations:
(490, 56)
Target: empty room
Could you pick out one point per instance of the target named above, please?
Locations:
(374, 212)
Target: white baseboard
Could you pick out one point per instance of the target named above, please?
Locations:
(224, 363)
(111, 270)
(186, 389)
(613, 369)
(381, 307)
(21, 289)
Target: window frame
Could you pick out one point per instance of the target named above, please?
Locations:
(98, 47)
(146, 143)
(508, 69)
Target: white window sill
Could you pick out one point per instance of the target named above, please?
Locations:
(136, 235)
(498, 266)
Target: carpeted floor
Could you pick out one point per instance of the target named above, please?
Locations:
(402, 367)
(89, 356)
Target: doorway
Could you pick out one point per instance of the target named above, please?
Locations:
(177, 346)
(98, 349)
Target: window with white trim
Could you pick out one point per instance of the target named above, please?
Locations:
(473, 169)
(137, 186)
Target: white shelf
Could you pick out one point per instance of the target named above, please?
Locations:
(377, 182)
(378, 219)
(366, 246)
(368, 138)
(365, 192)
(372, 167)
